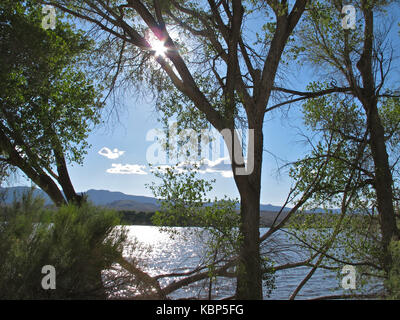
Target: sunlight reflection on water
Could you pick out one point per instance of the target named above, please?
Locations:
(183, 254)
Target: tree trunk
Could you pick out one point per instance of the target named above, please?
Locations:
(38, 176)
(249, 278)
(51, 189)
(383, 176)
(383, 181)
(64, 179)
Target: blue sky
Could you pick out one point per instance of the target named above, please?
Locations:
(124, 143)
(130, 136)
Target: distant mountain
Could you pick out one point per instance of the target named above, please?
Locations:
(118, 200)
(110, 199)
(105, 197)
(130, 205)
(270, 207)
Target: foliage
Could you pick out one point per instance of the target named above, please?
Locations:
(44, 93)
(5, 172)
(393, 281)
(337, 145)
(341, 141)
(48, 104)
(341, 123)
(79, 242)
(340, 149)
(356, 243)
(184, 202)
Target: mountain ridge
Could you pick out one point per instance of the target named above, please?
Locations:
(111, 199)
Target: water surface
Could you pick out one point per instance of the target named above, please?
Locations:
(184, 253)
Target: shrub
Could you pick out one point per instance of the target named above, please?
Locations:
(393, 281)
(79, 242)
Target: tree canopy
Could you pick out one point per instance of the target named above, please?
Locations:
(48, 105)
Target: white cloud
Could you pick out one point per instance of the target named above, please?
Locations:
(220, 166)
(118, 168)
(114, 154)
(227, 174)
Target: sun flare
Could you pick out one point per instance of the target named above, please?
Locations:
(159, 48)
(157, 45)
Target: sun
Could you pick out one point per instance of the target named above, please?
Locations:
(157, 45)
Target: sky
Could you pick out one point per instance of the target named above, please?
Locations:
(117, 161)
(117, 158)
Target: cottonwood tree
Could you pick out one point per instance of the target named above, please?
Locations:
(347, 237)
(47, 104)
(224, 78)
(361, 59)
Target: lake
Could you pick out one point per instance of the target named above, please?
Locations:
(179, 254)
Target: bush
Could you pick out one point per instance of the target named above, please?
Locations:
(79, 242)
(393, 281)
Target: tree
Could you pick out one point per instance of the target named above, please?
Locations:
(233, 81)
(47, 103)
(367, 114)
(347, 132)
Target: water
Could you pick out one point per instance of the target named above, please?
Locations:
(182, 255)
